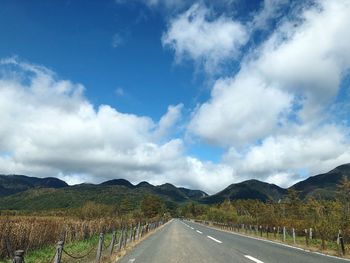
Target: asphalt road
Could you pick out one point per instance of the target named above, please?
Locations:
(183, 241)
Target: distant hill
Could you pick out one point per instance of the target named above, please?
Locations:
(322, 185)
(251, 189)
(11, 184)
(119, 182)
(49, 195)
(20, 192)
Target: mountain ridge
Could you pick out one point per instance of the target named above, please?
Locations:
(16, 191)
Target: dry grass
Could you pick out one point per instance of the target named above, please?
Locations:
(33, 232)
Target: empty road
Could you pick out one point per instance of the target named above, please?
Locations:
(183, 241)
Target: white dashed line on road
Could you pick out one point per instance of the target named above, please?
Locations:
(199, 232)
(191, 227)
(214, 239)
(254, 259)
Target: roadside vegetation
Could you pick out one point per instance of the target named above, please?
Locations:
(37, 232)
(327, 220)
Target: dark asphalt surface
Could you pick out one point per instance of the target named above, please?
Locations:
(183, 241)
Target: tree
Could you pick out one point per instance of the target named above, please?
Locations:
(293, 204)
(343, 197)
(152, 206)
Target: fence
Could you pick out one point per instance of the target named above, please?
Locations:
(119, 240)
(305, 237)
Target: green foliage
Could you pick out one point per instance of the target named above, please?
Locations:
(152, 206)
(94, 210)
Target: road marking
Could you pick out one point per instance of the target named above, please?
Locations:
(199, 232)
(191, 227)
(218, 241)
(253, 259)
(131, 260)
(279, 244)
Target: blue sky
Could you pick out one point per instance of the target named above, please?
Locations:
(197, 93)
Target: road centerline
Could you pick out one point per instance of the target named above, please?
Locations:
(214, 239)
(199, 232)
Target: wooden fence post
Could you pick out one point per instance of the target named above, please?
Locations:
(341, 243)
(261, 231)
(138, 231)
(306, 237)
(121, 238)
(125, 237)
(111, 246)
(99, 248)
(130, 235)
(19, 256)
(310, 233)
(59, 250)
(293, 236)
(267, 232)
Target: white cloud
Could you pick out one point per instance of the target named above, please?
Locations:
(270, 10)
(169, 120)
(275, 112)
(241, 110)
(278, 158)
(208, 41)
(48, 128)
(312, 57)
(298, 65)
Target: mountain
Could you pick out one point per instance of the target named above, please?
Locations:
(20, 192)
(193, 194)
(322, 185)
(251, 189)
(119, 182)
(11, 184)
(46, 194)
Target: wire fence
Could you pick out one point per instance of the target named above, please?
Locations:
(120, 238)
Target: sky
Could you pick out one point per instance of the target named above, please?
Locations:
(200, 94)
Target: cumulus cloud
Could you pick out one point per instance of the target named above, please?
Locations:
(298, 66)
(169, 120)
(274, 114)
(241, 110)
(286, 158)
(49, 128)
(207, 40)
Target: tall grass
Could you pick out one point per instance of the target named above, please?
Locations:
(34, 232)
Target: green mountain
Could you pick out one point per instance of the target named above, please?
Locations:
(19, 192)
(11, 184)
(251, 189)
(322, 185)
(123, 182)
(58, 196)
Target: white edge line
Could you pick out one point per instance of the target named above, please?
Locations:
(214, 239)
(283, 245)
(253, 259)
(199, 232)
